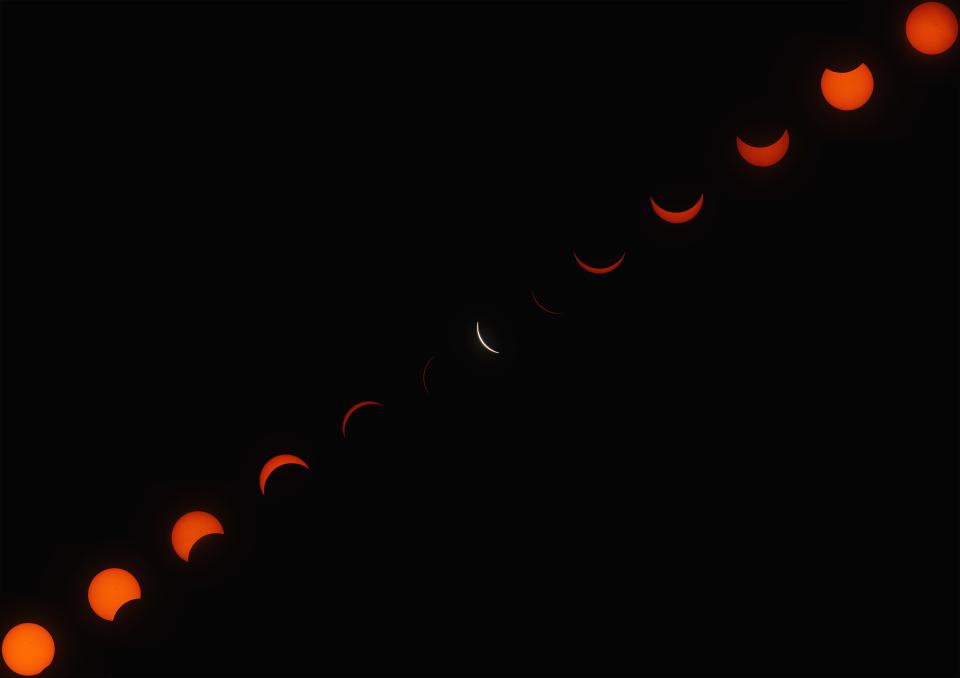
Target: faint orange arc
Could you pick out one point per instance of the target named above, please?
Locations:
(346, 417)
(932, 28)
(541, 306)
(764, 156)
(275, 463)
(110, 590)
(423, 374)
(847, 91)
(190, 528)
(27, 649)
(599, 270)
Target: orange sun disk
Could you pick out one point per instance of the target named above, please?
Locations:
(932, 28)
(28, 649)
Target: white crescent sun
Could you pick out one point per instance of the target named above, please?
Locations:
(482, 341)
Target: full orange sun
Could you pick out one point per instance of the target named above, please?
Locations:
(932, 28)
(28, 649)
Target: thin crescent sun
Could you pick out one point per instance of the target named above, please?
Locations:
(482, 341)
(423, 374)
(346, 417)
(599, 270)
(680, 217)
(541, 306)
(764, 156)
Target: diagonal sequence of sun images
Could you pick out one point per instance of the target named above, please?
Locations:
(28, 648)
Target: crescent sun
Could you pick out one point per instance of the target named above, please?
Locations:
(482, 341)
(423, 374)
(191, 528)
(680, 217)
(275, 463)
(764, 156)
(541, 306)
(599, 270)
(346, 417)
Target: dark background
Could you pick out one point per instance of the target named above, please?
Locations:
(225, 224)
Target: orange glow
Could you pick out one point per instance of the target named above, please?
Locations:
(275, 463)
(190, 529)
(110, 590)
(847, 91)
(599, 270)
(541, 306)
(764, 156)
(932, 28)
(423, 375)
(28, 649)
(346, 417)
(677, 217)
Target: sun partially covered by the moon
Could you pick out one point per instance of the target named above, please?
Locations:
(849, 90)
(599, 270)
(110, 590)
(679, 217)
(423, 374)
(764, 156)
(541, 306)
(276, 462)
(354, 408)
(485, 344)
(191, 528)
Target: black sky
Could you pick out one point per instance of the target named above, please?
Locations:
(225, 224)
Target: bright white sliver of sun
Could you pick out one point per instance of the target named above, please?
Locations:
(482, 341)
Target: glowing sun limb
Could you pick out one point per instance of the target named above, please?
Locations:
(423, 375)
(541, 306)
(346, 417)
(275, 463)
(482, 341)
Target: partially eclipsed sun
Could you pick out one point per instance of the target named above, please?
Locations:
(110, 590)
(764, 156)
(191, 528)
(275, 463)
(847, 91)
(599, 270)
(485, 345)
(680, 217)
(354, 408)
